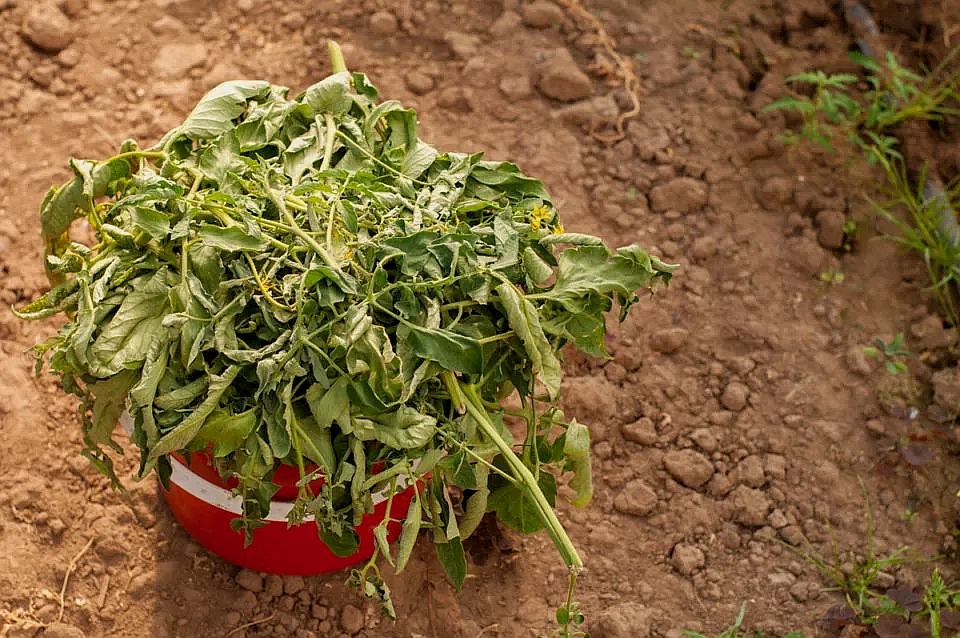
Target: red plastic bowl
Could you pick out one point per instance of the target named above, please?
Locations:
(204, 505)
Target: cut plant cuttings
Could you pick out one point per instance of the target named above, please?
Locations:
(304, 281)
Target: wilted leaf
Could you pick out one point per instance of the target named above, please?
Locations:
(454, 561)
(577, 450)
(228, 239)
(916, 454)
(909, 599)
(525, 322)
(402, 429)
(451, 350)
(950, 619)
(516, 508)
(215, 112)
(836, 618)
(889, 625)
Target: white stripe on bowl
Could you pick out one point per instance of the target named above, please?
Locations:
(226, 500)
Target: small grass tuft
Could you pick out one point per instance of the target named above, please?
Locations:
(852, 575)
(864, 112)
(734, 630)
(924, 228)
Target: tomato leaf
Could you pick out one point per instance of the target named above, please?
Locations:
(453, 560)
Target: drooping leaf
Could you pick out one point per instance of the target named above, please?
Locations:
(228, 431)
(342, 545)
(403, 429)
(454, 561)
(515, 506)
(449, 349)
(409, 533)
(476, 505)
(576, 448)
(330, 95)
(153, 222)
(229, 239)
(459, 470)
(301, 154)
(539, 270)
(417, 160)
(181, 436)
(215, 112)
(109, 403)
(127, 336)
(222, 158)
(525, 322)
(317, 444)
(588, 270)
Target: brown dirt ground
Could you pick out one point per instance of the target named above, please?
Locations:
(745, 379)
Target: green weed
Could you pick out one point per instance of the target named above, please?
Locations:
(921, 229)
(894, 94)
(734, 630)
(891, 353)
(851, 231)
(832, 276)
(852, 575)
(864, 112)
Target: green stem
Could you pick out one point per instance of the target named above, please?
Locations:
(302, 234)
(474, 404)
(569, 606)
(296, 203)
(531, 455)
(129, 154)
(479, 459)
(305, 488)
(263, 287)
(458, 304)
(336, 58)
(331, 136)
(499, 337)
(373, 158)
(453, 388)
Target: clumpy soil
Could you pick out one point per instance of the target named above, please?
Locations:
(738, 407)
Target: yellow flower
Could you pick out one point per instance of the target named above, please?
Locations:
(558, 229)
(537, 216)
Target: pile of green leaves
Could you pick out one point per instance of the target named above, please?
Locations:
(306, 282)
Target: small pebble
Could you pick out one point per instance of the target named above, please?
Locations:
(418, 82)
(293, 584)
(249, 580)
(735, 396)
(351, 620)
(47, 27)
(273, 585)
(383, 23)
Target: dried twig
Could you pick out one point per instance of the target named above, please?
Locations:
(17, 619)
(624, 69)
(104, 587)
(493, 627)
(66, 577)
(256, 621)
